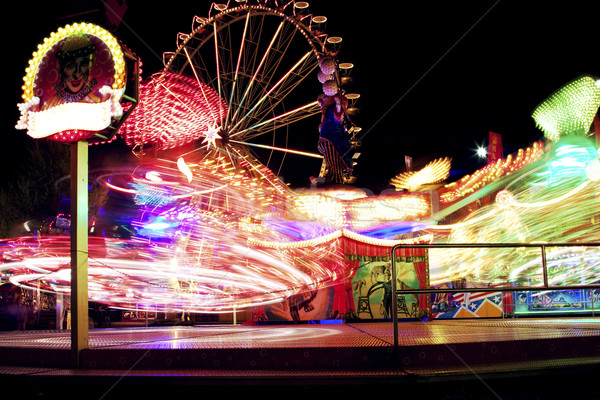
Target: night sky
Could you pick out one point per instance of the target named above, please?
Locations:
(434, 77)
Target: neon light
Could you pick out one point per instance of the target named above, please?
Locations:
(185, 169)
(359, 212)
(67, 106)
(553, 202)
(71, 116)
(279, 117)
(434, 172)
(490, 173)
(172, 112)
(570, 110)
(258, 68)
(266, 95)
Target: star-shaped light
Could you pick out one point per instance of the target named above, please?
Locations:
(211, 135)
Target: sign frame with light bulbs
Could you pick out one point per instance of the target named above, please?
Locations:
(54, 109)
(72, 91)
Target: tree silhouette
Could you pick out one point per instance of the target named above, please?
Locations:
(32, 183)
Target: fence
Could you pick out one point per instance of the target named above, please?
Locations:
(543, 255)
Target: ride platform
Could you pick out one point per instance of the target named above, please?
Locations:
(436, 359)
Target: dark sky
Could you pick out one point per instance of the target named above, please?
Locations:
(434, 77)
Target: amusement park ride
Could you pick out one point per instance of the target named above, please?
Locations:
(210, 228)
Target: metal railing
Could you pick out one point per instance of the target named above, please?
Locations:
(586, 306)
(429, 290)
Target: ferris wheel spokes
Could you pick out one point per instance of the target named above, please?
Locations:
(279, 121)
(217, 60)
(237, 68)
(201, 87)
(239, 120)
(285, 150)
(269, 92)
(258, 60)
(256, 72)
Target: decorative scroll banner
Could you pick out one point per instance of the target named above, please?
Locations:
(73, 85)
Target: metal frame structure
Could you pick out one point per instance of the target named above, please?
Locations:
(428, 290)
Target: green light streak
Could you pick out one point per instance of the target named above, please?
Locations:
(555, 201)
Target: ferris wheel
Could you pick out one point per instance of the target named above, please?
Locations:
(245, 83)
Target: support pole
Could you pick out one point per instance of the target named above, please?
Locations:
(79, 250)
(394, 296)
(544, 266)
(60, 311)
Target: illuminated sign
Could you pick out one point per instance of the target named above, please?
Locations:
(73, 84)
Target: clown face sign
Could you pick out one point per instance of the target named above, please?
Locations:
(73, 85)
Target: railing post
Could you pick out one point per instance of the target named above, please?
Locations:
(544, 271)
(394, 296)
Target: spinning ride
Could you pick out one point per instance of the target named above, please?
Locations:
(213, 228)
(211, 132)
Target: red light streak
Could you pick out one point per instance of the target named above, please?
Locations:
(172, 112)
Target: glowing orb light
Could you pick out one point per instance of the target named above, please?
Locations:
(327, 65)
(505, 198)
(330, 88)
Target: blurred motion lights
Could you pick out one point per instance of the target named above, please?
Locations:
(434, 172)
(569, 110)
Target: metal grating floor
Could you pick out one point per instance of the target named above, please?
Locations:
(302, 355)
(378, 334)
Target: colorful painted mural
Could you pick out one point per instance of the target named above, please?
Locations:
(372, 290)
